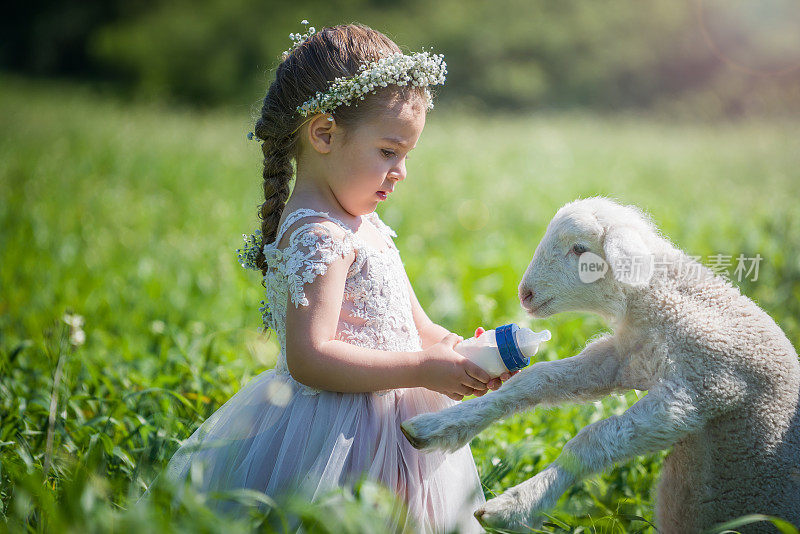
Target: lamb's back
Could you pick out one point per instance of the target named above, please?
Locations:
(747, 377)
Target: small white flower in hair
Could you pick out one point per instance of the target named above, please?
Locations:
(298, 38)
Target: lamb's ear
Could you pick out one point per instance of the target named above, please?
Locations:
(629, 259)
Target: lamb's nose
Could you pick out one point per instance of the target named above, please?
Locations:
(525, 293)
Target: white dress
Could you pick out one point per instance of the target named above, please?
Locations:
(277, 435)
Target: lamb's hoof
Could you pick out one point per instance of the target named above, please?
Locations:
(435, 431)
(493, 515)
(479, 513)
(408, 431)
(489, 520)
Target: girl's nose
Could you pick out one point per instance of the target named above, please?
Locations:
(398, 172)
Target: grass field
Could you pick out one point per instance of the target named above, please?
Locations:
(130, 214)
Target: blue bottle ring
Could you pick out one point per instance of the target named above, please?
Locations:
(512, 357)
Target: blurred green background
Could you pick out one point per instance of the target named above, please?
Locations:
(702, 57)
(126, 182)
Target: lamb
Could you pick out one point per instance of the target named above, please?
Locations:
(723, 380)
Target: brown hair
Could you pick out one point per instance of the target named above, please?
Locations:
(334, 52)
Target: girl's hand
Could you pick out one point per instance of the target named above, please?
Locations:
(495, 383)
(444, 370)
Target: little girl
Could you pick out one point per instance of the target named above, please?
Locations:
(358, 354)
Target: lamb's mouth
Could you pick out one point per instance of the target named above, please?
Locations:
(534, 310)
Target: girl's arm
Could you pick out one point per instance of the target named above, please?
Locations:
(315, 358)
(431, 333)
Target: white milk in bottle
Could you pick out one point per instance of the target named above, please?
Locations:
(506, 348)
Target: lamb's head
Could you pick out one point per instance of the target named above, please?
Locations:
(585, 241)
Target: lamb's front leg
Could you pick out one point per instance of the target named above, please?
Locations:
(654, 423)
(591, 374)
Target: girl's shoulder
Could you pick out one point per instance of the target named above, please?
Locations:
(311, 224)
(303, 221)
(306, 232)
(306, 244)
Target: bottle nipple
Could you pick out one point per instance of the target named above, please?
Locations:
(528, 341)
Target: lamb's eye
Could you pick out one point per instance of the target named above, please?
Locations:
(579, 249)
(387, 153)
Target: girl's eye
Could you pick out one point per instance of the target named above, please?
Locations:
(579, 249)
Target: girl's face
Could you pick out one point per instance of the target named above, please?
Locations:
(368, 159)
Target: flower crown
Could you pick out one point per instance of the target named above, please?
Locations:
(421, 69)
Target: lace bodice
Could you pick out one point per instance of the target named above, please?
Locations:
(376, 305)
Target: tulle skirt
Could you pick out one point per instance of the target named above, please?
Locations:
(275, 437)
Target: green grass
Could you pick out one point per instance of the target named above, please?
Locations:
(130, 214)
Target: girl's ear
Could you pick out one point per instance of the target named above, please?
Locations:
(320, 131)
(630, 260)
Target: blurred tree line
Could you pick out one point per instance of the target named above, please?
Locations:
(713, 57)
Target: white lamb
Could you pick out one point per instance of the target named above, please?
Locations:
(723, 379)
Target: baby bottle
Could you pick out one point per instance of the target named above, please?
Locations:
(507, 348)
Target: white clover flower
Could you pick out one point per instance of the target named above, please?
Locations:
(77, 337)
(73, 320)
(76, 334)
